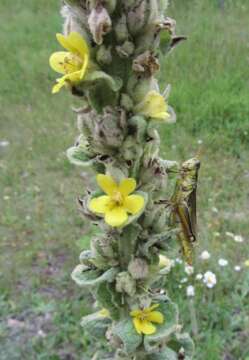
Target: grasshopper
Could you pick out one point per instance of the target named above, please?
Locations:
(183, 206)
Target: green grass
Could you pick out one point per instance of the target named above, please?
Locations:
(41, 231)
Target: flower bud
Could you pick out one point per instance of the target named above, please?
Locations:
(138, 268)
(125, 283)
(126, 49)
(137, 17)
(103, 245)
(131, 150)
(104, 55)
(121, 30)
(99, 23)
(126, 102)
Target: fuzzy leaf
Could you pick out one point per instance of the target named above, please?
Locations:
(96, 76)
(126, 332)
(77, 156)
(86, 276)
(109, 299)
(183, 345)
(95, 324)
(166, 330)
(166, 354)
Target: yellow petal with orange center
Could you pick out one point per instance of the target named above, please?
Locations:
(100, 204)
(107, 184)
(134, 203)
(127, 186)
(116, 217)
(156, 317)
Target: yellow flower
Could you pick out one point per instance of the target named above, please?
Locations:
(246, 263)
(153, 106)
(104, 312)
(118, 201)
(72, 63)
(143, 319)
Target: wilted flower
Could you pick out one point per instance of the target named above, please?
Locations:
(143, 319)
(199, 276)
(209, 279)
(189, 270)
(153, 106)
(190, 291)
(118, 201)
(205, 255)
(222, 262)
(73, 64)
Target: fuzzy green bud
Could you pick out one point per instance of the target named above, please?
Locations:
(125, 283)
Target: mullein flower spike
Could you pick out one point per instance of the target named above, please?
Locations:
(110, 61)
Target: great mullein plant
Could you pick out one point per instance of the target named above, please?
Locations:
(110, 61)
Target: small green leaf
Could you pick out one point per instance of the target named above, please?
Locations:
(86, 276)
(95, 324)
(126, 332)
(109, 299)
(166, 354)
(114, 84)
(182, 344)
(77, 156)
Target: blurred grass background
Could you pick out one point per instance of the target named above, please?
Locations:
(41, 232)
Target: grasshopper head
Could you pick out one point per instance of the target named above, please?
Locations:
(191, 164)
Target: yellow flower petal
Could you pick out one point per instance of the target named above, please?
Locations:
(152, 307)
(135, 312)
(57, 87)
(79, 43)
(73, 77)
(127, 186)
(100, 204)
(56, 61)
(155, 316)
(153, 105)
(138, 325)
(161, 115)
(116, 217)
(106, 183)
(84, 67)
(134, 203)
(147, 327)
(104, 313)
(74, 43)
